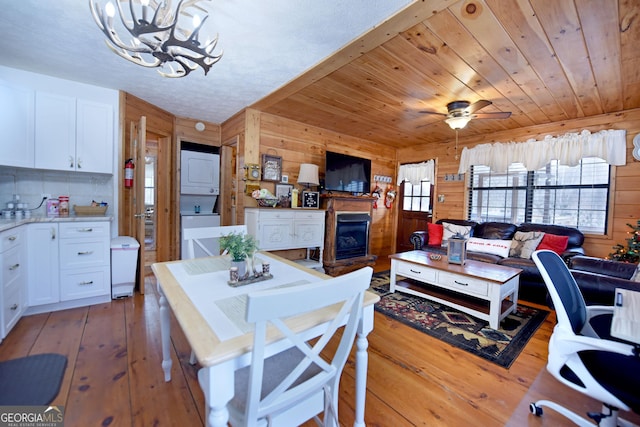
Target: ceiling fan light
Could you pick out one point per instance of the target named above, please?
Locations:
(458, 122)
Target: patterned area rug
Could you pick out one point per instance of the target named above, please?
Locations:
(500, 346)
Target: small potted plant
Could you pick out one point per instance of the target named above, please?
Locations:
(240, 247)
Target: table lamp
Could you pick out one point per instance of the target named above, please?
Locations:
(308, 175)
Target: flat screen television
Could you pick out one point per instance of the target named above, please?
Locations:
(347, 173)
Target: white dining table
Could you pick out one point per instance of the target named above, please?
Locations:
(210, 313)
(626, 316)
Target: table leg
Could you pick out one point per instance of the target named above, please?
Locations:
(165, 332)
(392, 276)
(217, 383)
(364, 327)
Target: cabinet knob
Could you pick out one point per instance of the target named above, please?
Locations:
(14, 267)
(87, 282)
(12, 238)
(71, 162)
(85, 253)
(85, 230)
(14, 307)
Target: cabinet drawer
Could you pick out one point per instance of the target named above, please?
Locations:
(307, 215)
(12, 306)
(84, 283)
(13, 266)
(276, 214)
(463, 284)
(422, 273)
(83, 253)
(84, 229)
(11, 238)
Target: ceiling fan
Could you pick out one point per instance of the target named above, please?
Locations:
(459, 113)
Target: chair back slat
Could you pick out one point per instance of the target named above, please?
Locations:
(275, 311)
(193, 237)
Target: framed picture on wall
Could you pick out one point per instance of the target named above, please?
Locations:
(283, 190)
(271, 167)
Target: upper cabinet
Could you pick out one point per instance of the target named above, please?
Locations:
(49, 123)
(16, 122)
(73, 134)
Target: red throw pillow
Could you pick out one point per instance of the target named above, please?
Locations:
(435, 234)
(554, 243)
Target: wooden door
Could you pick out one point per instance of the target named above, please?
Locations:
(138, 141)
(414, 212)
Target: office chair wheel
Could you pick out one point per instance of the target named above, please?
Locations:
(535, 409)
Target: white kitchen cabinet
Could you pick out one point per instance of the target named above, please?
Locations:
(280, 229)
(44, 282)
(16, 122)
(73, 134)
(73, 266)
(85, 266)
(13, 278)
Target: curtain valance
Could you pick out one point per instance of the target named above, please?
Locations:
(416, 172)
(609, 145)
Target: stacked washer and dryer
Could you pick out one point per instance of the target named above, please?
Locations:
(199, 188)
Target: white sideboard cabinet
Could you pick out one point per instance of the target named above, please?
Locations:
(13, 279)
(280, 229)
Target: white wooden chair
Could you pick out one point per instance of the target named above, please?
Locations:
(293, 386)
(193, 236)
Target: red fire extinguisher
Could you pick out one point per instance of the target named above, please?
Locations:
(128, 173)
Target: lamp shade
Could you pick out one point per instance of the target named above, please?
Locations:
(458, 122)
(308, 174)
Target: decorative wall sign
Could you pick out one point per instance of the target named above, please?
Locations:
(310, 199)
(283, 190)
(271, 167)
(636, 147)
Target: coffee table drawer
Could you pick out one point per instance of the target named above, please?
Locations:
(418, 272)
(463, 284)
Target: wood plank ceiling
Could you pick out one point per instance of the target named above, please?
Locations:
(543, 60)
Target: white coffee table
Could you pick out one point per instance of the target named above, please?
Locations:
(483, 290)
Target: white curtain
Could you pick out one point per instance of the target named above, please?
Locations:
(416, 172)
(609, 145)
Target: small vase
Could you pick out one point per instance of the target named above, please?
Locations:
(242, 268)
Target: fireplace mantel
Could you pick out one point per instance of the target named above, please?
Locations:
(335, 204)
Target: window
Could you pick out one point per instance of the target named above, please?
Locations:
(575, 196)
(416, 198)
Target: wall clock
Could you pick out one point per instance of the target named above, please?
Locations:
(310, 199)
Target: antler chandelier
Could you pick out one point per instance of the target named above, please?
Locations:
(157, 38)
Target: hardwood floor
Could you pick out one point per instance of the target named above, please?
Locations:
(114, 375)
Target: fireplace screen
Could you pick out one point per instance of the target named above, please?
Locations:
(352, 235)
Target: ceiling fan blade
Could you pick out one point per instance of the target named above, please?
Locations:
(432, 112)
(478, 105)
(500, 115)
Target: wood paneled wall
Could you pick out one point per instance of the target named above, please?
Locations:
(625, 199)
(185, 130)
(298, 143)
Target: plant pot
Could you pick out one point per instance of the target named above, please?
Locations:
(242, 268)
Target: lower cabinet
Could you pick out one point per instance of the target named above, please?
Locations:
(74, 267)
(13, 279)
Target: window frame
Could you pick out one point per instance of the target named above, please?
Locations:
(530, 187)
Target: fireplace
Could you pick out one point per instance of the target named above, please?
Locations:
(352, 234)
(347, 233)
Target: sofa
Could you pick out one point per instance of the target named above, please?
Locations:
(598, 278)
(532, 286)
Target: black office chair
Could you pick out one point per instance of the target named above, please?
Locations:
(582, 354)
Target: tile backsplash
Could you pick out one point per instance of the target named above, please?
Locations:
(30, 184)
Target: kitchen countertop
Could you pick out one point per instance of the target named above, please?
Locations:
(7, 224)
